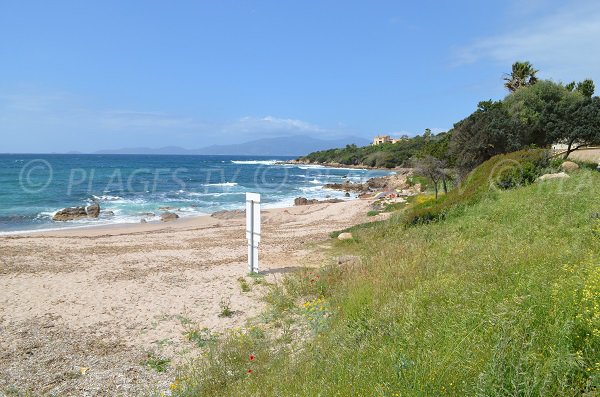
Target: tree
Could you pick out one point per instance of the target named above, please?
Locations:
(433, 169)
(488, 131)
(522, 75)
(586, 88)
(533, 106)
(575, 122)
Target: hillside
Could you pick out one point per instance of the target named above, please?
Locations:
(499, 298)
(387, 155)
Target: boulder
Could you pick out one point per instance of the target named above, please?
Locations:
(569, 166)
(108, 213)
(547, 177)
(69, 214)
(168, 216)
(93, 210)
(305, 201)
(301, 201)
(347, 194)
(345, 236)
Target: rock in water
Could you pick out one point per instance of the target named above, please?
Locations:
(569, 166)
(93, 210)
(300, 201)
(69, 214)
(559, 175)
(168, 216)
(143, 220)
(345, 236)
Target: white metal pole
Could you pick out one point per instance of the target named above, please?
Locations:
(253, 229)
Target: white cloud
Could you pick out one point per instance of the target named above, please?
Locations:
(270, 125)
(562, 44)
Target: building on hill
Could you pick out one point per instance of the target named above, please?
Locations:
(379, 139)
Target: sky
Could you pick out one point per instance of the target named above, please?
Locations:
(91, 75)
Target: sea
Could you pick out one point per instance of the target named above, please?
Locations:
(33, 187)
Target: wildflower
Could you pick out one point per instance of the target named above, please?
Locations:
(251, 357)
(312, 281)
(249, 371)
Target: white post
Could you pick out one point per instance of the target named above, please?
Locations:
(253, 229)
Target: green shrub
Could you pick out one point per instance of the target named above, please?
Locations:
(500, 172)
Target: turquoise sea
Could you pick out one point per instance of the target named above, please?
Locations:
(34, 186)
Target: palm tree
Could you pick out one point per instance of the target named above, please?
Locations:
(522, 75)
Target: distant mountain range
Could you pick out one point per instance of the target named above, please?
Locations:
(296, 145)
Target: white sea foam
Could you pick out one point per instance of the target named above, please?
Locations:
(255, 162)
(222, 184)
(107, 197)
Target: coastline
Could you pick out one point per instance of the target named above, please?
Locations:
(341, 166)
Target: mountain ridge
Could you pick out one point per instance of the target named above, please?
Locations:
(295, 145)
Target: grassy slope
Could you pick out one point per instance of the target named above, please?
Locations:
(496, 300)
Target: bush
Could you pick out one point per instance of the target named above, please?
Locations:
(503, 171)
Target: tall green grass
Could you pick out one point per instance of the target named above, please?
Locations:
(500, 298)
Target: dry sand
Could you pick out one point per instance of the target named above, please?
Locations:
(81, 308)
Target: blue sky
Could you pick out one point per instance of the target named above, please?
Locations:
(84, 75)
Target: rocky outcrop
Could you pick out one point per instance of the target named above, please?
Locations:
(347, 186)
(168, 216)
(73, 213)
(305, 201)
(547, 177)
(569, 166)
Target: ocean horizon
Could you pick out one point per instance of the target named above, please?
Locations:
(33, 187)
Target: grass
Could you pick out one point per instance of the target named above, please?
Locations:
(244, 284)
(499, 297)
(226, 310)
(157, 363)
(200, 336)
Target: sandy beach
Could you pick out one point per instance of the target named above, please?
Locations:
(80, 309)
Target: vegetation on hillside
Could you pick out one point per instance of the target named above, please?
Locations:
(498, 298)
(535, 113)
(386, 155)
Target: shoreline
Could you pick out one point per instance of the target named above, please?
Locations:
(343, 166)
(149, 225)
